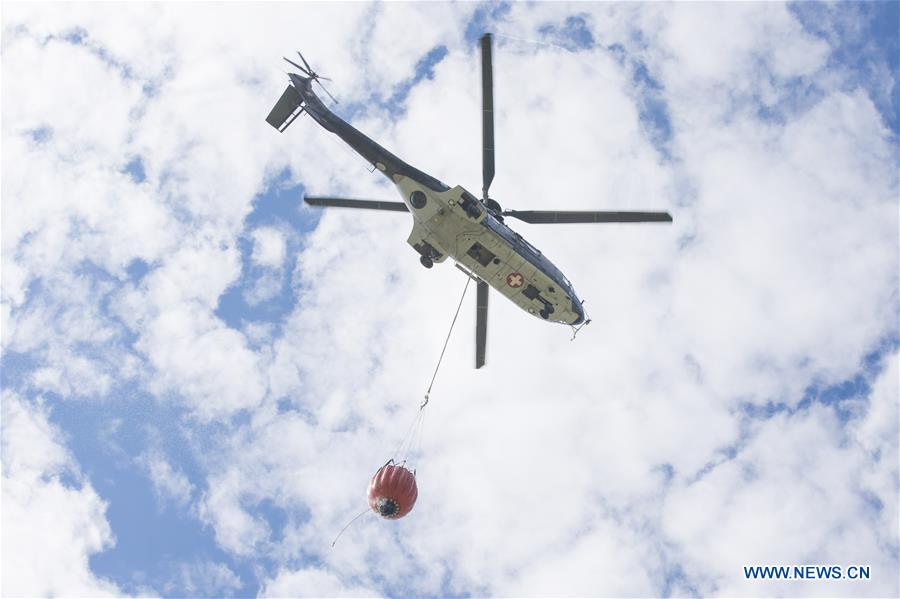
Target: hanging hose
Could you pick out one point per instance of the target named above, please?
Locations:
(346, 526)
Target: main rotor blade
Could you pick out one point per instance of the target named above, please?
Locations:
(578, 216)
(487, 116)
(332, 202)
(481, 308)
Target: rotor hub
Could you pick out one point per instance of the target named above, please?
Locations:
(493, 205)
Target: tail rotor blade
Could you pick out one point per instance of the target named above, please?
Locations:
(308, 68)
(487, 116)
(325, 90)
(302, 70)
(481, 311)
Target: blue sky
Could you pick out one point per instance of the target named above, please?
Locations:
(207, 371)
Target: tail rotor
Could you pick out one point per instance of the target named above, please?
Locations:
(313, 76)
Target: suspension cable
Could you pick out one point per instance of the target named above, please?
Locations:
(446, 341)
(411, 442)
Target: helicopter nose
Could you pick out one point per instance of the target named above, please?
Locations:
(577, 309)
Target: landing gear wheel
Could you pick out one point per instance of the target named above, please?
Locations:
(426, 261)
(545, 314)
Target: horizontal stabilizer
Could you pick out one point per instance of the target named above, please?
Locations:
(286, 109)
(350, 203)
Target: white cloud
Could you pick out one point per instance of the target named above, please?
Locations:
(73, 377)
(876, 434)
(50, 526)
(169, 482)
(222, 507)
(585, 563)
(193, 354)
(267, 286)
(793, 482)
(796, 296)
(208, 579)
(314, 582)
(201, 360)
(268, 247)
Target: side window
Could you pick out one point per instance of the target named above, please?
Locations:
(470, 204)
(481, 254)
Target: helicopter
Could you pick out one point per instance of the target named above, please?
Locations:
(452, 222)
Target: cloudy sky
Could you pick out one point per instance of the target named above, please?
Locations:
(199, 374)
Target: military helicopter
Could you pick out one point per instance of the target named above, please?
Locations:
(451, 222)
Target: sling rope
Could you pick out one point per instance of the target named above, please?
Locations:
(446, 341)
(413, 437)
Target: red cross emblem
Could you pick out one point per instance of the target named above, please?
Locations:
(515, 280)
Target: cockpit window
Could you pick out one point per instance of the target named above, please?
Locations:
(534, 250)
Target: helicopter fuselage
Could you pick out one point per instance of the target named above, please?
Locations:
(451, 222)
